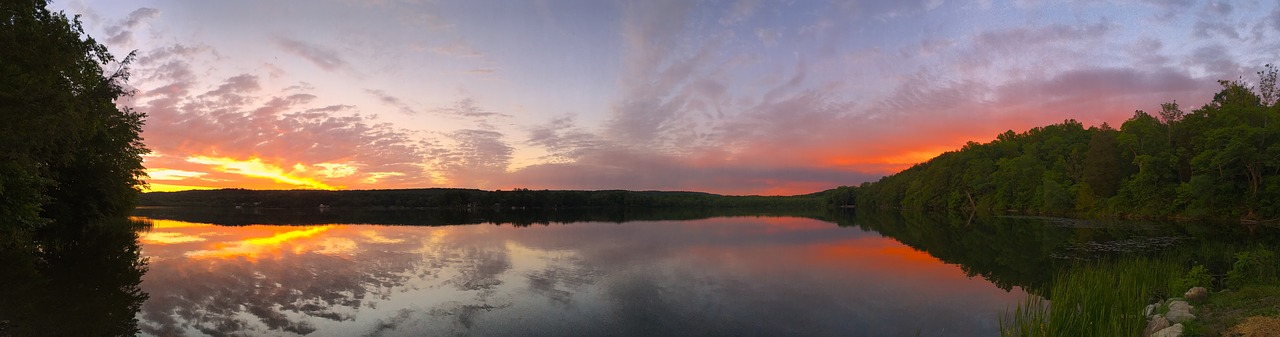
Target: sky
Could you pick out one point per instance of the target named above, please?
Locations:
(734, 97)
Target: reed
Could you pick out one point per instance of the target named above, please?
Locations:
(1102, 298)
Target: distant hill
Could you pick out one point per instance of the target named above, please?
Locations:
(465, 198)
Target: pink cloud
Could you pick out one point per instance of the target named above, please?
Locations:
(323, 57)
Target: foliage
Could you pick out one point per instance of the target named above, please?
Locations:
(70, 155)
(1198, 276)
(1256, 266)
(1221, 160)
(840, 196)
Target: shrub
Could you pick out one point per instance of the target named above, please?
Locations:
(1252, 267)
(1198, 276)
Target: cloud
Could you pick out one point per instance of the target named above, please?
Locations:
(322, 57)
(1208, 30)
(467, 107)
(741, 10)
(1215, 60)
(121, 34)
(700, 94)
(1220, 8)
(392, 101)
(1148, 51)
(659, 76)
(1169, 9)
(642, 170)
(1274, 19)
(563, 139)
(1027, 38)
(1100, 83)
(885, 11)
(472, 157)
(247, 127)
(768, 36)
(457, 49)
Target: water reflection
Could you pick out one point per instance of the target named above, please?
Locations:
(82, 281)
(739, 276)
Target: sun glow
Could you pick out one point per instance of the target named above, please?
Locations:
(154, 187)
(256, 168)
(254, 248)
(287, 236)
(895, 162)
(171, 174)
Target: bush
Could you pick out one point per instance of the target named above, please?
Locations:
(1198, 276)
(1257, 266)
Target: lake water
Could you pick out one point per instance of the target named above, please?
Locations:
(706, 276)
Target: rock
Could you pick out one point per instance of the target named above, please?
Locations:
(1173, 331)
(1197, 294)
(1156, 324)
(1179, 311)
(1150, 309)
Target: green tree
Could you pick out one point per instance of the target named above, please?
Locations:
(840, 196)
(1104, 165)
(71, 155)
(1148, 191)
(1268, 92)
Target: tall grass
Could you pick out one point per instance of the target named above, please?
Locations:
(1102, 298)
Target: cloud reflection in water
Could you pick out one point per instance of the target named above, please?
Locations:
(722, 276)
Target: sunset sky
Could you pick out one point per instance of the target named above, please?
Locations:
(735, 97)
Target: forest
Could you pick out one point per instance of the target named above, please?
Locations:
(1219, 161)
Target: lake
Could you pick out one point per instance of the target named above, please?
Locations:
(735, 272)
(718, 276)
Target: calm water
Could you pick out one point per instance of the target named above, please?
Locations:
(723, 276)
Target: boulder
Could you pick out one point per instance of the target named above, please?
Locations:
(1173, 331)
(1151, 308)
(1197, 294)
(1179, 311)
(1154, 325)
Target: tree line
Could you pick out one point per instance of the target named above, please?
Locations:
(456, 198)
(1221, 160)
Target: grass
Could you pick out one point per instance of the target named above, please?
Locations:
(1103, 298)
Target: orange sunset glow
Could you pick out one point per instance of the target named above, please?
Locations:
(733, 97)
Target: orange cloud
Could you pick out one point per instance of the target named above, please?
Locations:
(254, 167)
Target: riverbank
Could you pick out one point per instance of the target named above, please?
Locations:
(1251, 311)
(1107, 298)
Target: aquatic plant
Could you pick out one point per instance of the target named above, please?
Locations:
(1099, 298)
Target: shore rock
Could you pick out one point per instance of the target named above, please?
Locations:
(1173, 331)
(1197, 294)
(1179, 311)
(1155, 325)
(1151, 308)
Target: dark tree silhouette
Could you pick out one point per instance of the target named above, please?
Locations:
(70, 156)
